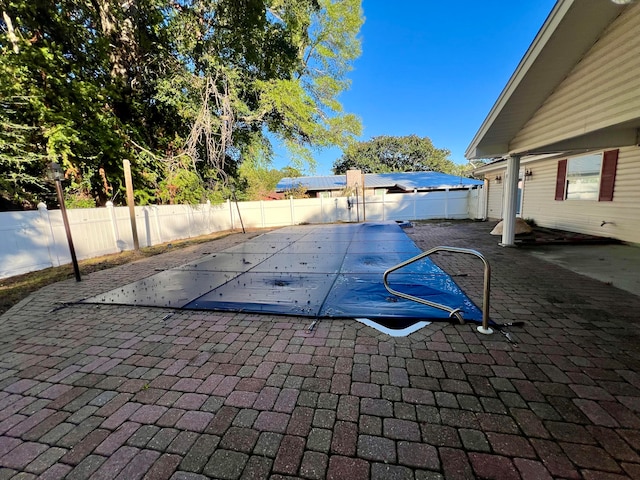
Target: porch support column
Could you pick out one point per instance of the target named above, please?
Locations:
(510, 200)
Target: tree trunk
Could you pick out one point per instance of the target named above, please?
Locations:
(117, 27)
(11, 34)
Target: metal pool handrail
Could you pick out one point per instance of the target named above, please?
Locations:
(484, 328)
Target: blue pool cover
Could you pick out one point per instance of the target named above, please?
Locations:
(328, 271)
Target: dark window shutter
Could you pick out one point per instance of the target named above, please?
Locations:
(608, 175)
(561, 179)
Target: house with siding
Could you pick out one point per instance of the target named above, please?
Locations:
(563, 136)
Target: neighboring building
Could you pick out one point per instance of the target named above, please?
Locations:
(564, 132)
(376, 183)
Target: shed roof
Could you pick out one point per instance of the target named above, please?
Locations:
(403, 180)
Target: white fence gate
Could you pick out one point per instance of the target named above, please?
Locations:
(34, 240)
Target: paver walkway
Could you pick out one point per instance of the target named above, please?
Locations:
(106, 391)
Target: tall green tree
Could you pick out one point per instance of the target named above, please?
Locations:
(87, 73)
(249, 71)
(20, 164)
(257, 182)
(386, 154)
(189, 86)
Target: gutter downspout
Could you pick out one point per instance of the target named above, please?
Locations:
(510, 200)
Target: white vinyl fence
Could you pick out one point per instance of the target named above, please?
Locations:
(34, 240)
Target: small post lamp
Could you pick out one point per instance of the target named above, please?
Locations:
(56, 174)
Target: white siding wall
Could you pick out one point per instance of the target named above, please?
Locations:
(582, 216)
(602, 90)
(494, 200)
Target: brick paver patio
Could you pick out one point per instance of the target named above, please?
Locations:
(105, 392)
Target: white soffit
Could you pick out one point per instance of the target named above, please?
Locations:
(572, 27)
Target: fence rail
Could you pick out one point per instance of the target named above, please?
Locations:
(34, 240)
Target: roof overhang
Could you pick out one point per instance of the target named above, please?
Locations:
(501, 163)
(570, 30)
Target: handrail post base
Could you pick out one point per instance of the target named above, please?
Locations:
(485, 331)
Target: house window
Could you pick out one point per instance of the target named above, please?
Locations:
(583, 177)
(324, 194)
(588, 177)
(379, 191)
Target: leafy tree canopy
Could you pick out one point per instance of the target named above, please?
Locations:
(258, 182)
(196, 86)
(385, 154)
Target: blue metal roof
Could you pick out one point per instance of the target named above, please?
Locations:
(403, 180)
(328, 182)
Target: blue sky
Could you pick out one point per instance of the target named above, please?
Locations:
(434, 68)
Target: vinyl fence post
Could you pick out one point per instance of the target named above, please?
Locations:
(231, 213)
(292, 211)
(446, 203)
(147, 225)
(156, 215)
(190, 215)
(207, 210)
(262, 216)
(48, 231)
(384, 205)
(114, 225)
